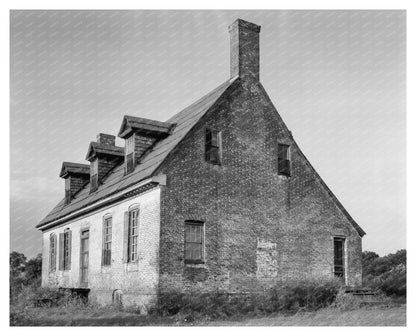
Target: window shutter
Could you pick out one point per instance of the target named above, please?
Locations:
(219, 147)
(69, 249)
(61, 251)
(103, 243)
(126, 236)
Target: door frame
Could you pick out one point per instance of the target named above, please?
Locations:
(82, 232)
(343, 250)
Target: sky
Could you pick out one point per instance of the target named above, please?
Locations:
(337, 78)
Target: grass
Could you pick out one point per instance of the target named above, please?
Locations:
(375, 316)
(108, 316)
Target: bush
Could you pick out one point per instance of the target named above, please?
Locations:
(387, 274)
(279, 299)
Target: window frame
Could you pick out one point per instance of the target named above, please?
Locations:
(189, 223)
(53, 242)
(107, 240)
(211, 134)
(288, 159)
(133, 256)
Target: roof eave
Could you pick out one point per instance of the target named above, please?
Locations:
(108, 199)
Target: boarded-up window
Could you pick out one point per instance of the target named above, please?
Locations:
(94, 175)
(130, 154)
(213, 146)
(107, 239)
(283, 159)
(133, 235)
(52, 252)
(194, 242)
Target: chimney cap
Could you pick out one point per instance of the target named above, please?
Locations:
(244, 24)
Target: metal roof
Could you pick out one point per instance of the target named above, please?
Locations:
(116, 180)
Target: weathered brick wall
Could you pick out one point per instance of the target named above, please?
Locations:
(137, 281)
(261, 228)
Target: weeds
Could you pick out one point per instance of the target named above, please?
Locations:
(288, 298)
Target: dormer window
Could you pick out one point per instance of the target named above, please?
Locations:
(140, 136)
(213, 146)
(76, 176)
(67, 190)
(130, 154)
(94, 175)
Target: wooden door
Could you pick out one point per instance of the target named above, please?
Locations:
(85, 235)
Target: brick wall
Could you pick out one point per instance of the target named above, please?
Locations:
(137, 281)
(141, 144)
(75, 182)
(261, 228)
(105, 164)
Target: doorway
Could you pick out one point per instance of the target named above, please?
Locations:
(85, 235)
(339, 258)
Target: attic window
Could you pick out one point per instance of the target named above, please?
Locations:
(213, 146)
(94, 175)
(283, 159)
(130, 154)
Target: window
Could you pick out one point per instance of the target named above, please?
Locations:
(94, 175)
(283, 159)
(339, 257)
(107, 237)
(194, 242)
(213, 146)
(130, 154)
(52, 252)
(65, 250)
(133, 235)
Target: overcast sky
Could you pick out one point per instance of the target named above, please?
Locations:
(336, 77)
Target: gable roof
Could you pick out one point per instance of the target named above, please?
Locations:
(144, 125)
(74, 168)
(99, 148)
(117, 181)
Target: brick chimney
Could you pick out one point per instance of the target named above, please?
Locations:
(245, 49)
(76, 176)
(103, 155)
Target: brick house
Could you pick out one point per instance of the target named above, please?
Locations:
(219, 197)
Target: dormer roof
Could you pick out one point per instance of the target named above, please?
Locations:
(69, 168)
(96, 148)
(144, 126)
